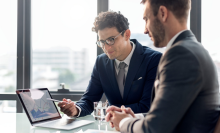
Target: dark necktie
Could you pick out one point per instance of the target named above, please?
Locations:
(121, 77)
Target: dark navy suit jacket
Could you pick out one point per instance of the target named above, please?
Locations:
(137, 93)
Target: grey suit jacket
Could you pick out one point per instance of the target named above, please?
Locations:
(186, 96)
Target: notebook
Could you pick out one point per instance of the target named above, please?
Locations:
(42, 112)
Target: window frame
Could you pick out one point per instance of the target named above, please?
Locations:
(24, 52)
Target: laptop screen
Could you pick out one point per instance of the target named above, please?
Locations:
(37, 107)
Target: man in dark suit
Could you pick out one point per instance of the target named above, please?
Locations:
(185, 96)
(125, 72)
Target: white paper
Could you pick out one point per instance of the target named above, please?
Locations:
(99, 131)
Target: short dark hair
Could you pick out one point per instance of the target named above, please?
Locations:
(110, 19)
(180, 8)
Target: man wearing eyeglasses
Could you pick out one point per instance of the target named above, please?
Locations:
(125, 72)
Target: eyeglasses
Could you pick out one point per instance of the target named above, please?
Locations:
(110, 41)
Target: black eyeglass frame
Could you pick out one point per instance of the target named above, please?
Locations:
(101, 44)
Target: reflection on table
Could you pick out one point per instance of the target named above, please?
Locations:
(19, 123)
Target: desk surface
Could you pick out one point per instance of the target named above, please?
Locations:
(19, 123)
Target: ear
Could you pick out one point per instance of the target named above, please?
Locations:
(127, 34)
(162, 14)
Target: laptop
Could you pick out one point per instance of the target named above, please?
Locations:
(42, 112)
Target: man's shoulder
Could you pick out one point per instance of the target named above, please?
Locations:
(151, 54)
(150, 51)
(188, 46)
(102, 56)
(102, 59)
(147, 51)
(189, 50)
(188, 43)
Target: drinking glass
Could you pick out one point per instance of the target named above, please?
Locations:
(99, 112)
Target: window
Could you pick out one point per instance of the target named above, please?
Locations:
(210, 30)
(63, 44)
(8, 43)
(7, 106)
(133, 11)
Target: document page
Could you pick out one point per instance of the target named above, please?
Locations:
(99, 131)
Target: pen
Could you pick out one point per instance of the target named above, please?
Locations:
(54, 100)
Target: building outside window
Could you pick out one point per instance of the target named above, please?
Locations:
(63, 45)
(210, 31)
(8, 52)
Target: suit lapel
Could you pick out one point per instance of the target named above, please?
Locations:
(112, 78)
(135, 63)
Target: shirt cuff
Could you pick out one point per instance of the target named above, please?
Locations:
(123, 121)
(79, 111)
(139, 116)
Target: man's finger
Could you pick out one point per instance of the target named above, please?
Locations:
(61, 104)
(111, 124)
(64, 99)
(111, 119)
(107, 117)
(61, 109)
(129, 111)
(123, 109)
(68, 100)
(113, 108)
(68, 106)
(112, 113)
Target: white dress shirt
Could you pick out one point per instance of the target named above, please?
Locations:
(126, 61)
(140, 116)
(172, 40)
(117, 62)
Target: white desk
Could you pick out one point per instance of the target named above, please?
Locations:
(19, 123)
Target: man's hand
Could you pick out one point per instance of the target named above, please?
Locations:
(117, 117)
(68, 107)
(114, 108)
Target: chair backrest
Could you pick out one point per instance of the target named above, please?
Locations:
(217, 127)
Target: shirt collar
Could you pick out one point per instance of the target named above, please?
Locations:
(128, 58)
(173, 39)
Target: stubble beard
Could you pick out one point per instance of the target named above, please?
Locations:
(158, 33)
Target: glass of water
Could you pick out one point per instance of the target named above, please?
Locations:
(100, 110)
